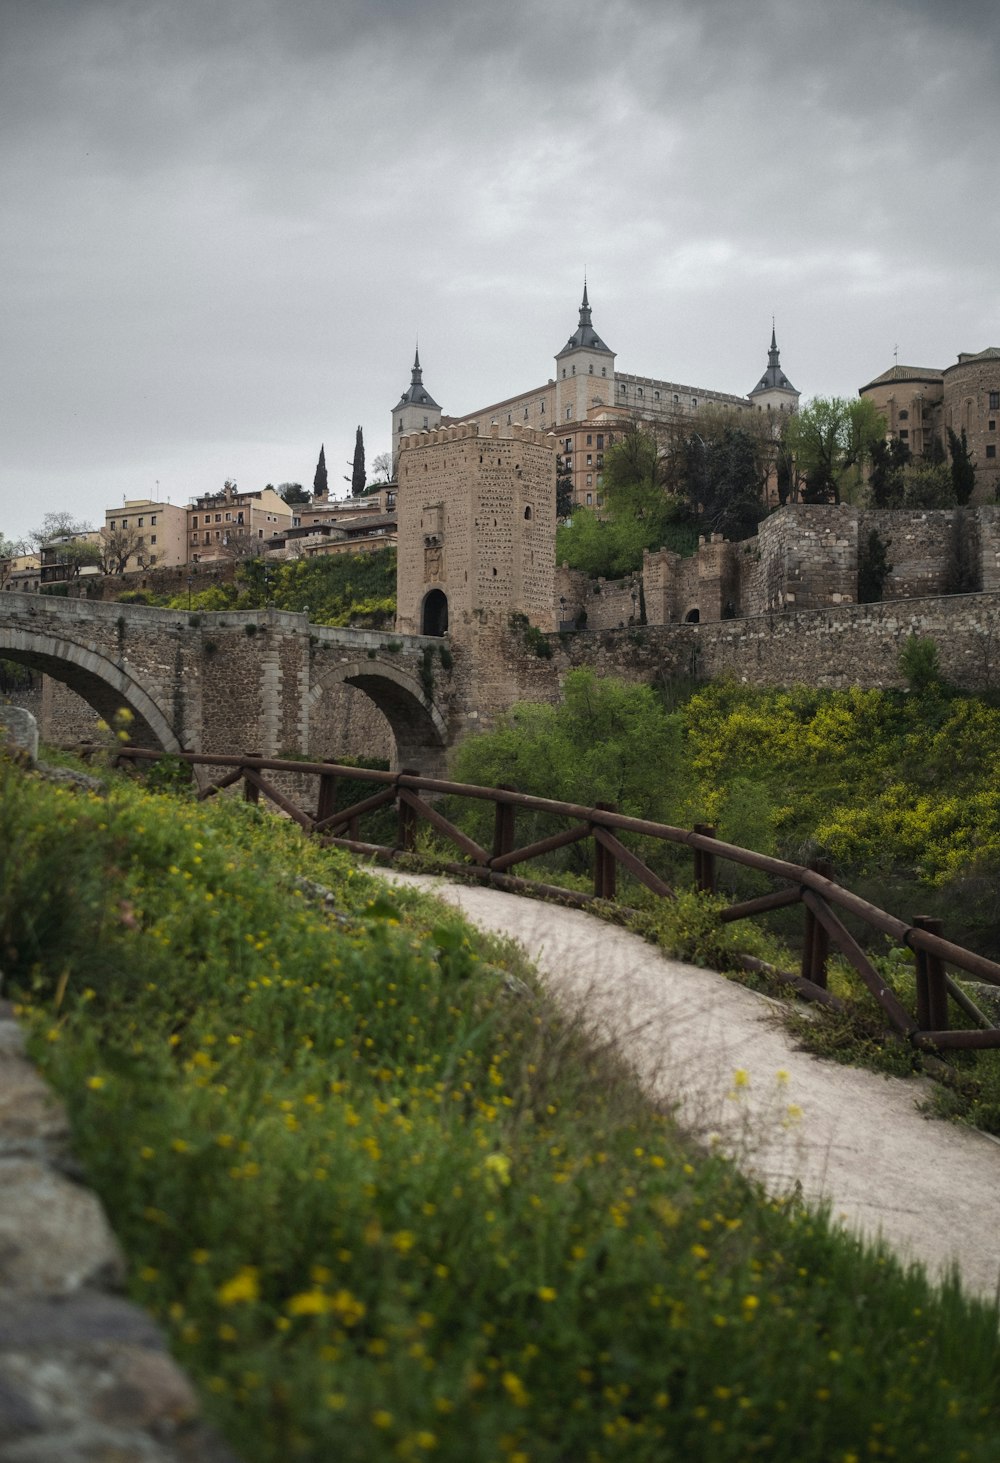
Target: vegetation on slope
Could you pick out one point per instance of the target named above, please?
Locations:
(901, 790)
(336, 589)
(391, 1206)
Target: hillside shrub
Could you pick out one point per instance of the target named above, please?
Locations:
(388, 1204)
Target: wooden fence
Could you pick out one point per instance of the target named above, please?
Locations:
(825, 902)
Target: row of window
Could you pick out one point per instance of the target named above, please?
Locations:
(218, 518)
(139, 523)
(656, 395)
(220, 534)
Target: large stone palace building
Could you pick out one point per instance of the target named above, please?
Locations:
(920, 404)
(587, 401)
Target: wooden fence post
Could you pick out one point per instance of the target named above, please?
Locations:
(815, 939)
(605, 864)
(503, 824)
(251, 792)
(932, 992)
(704, 862)
(326, 802)
(406, 822)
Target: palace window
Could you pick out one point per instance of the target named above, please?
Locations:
(904, 416)
(991, 450)
(600, 439)
(995, 401)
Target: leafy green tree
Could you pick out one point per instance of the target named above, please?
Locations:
(829, 437)
(78, 553)
(606, 742)
(723, 481)
(963, 468)
(293, 492)
(639, 511)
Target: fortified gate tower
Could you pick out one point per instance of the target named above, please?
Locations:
(477, 520)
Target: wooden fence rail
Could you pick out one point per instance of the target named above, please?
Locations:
(825, 902)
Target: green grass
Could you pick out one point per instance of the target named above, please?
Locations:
(389, 1205)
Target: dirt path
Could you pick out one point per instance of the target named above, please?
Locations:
(716, 1050)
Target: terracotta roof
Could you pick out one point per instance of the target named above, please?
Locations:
(906, 373)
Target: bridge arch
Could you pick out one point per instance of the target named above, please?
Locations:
(418, 728)
(103, 684)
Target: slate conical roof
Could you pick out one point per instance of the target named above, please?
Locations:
(417, 394)
(585, 337)
(774, 378)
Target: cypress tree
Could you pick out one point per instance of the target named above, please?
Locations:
(358, 468)
(320, 485)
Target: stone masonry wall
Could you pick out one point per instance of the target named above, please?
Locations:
(848, 645)
(83, 1372)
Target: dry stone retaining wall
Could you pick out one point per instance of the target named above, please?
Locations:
(84, 1374)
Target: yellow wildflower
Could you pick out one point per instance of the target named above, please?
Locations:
(243, 1286)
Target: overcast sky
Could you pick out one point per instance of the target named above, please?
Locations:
(224, 223)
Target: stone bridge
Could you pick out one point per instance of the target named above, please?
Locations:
(265, 681)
